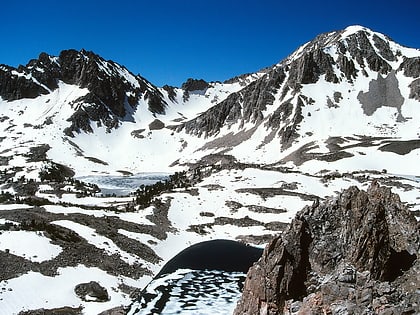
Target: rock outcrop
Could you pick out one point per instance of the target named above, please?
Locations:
(354, 254)
(91, 291)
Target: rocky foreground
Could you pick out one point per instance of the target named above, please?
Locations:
(353, 254)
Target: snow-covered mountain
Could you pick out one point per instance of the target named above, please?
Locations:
(341, 91)
(89, 111)
(340, 110)
(353, 83)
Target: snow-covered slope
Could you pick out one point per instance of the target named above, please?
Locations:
(98, 117)
(341, 110)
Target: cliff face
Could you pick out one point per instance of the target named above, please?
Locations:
(355, 254)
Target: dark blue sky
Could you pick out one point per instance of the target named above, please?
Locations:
(170, 41)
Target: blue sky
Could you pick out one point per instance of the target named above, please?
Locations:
(170, 41)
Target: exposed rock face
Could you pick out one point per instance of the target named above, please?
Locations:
(192, 85)
(244, 106)
(354, 254)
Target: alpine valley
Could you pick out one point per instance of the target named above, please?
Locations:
(105, 177)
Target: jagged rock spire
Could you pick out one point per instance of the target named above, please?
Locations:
(356, 253)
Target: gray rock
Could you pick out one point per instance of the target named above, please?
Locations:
(91, 291)
(382, 92)
(353, 254)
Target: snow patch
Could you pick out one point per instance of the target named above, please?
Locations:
(33, 246)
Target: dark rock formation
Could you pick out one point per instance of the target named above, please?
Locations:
(411, 67)
(55, 311)
(310, 66)
(115, 311)
(415, 90)
(156, 125)
(192, 85)
(171, 92)
(13, 87)
(365, 54)
(354, 254)
(244, 106)
(91, 291)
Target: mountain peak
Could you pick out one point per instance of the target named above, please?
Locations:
(113, 90)
(352, 37)
(355, 29)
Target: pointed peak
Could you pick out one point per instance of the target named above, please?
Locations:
(352, 29)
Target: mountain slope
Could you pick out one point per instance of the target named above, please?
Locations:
(113, 90)
(308, 98)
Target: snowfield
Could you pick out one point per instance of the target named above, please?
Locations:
(31, 245)
(17, 295)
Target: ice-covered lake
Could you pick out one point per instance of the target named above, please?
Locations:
(192, 292)
(204, 279)
(123, 185)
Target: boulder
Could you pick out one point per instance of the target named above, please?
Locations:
(92, 292)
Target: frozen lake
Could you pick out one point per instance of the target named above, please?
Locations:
(123, 185)
(204, 279)
(192, 292)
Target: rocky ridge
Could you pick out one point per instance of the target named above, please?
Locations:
(114, 92)
(340, 57)
(353, 254)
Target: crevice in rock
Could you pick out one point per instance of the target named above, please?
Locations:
(397, 264)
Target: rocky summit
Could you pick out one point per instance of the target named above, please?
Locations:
(356, 253)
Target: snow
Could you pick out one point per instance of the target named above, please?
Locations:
(72, 209)
(31, 245)
(14, 206)
(138, 217)
(350, 30)
(4, 221)
(34, 290)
